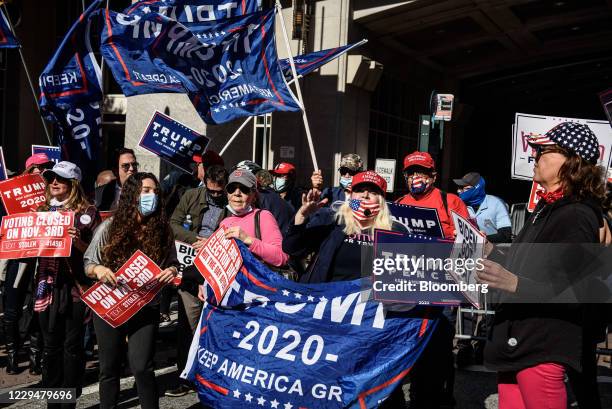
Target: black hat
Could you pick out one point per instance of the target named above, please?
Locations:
(576, 138)
(470, 179)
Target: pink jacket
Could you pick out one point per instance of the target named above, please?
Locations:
(270, 247)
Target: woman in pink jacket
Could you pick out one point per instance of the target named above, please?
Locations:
(256, 228)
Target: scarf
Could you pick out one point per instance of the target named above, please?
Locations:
(475, 196)
(550, 197)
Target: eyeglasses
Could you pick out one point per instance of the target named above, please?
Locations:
(216, 193)
(464, 188)
(231, 188)
(343, 171)
(42, 167)
(370, 188)
(127, 166)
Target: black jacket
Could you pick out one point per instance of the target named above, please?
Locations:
(105, 196)
(544, 320)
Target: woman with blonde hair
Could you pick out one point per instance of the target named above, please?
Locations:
(60, 282)
(339, 233)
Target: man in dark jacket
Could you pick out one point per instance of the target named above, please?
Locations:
(124, 165)
(195, 218)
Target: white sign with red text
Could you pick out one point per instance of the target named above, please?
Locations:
(219, 260)
(533, 197)
(525, 125)
(137, 286)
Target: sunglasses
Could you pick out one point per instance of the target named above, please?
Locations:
(231, 188)
(543, 150)
(127, 166)
(60, 180)
(344, 171)
(215, 193)
(42, 167)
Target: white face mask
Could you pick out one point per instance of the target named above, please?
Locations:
(239, 212)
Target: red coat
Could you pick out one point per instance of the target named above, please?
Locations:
(433, 199)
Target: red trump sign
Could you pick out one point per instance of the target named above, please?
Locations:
(22, 193)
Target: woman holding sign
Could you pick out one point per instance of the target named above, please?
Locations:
(60, 281)
(541, 330)
(139, 223)
(340, 234)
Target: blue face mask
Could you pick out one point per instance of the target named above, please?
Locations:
(147, 203)
(280, 185)
(346, 182)
(474, 196)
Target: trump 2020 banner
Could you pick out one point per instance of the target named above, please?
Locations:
(275, 343)
(137, 286)
(172, 141)
(7, 39)
(38, 234)
(232, 63)
(526, 125)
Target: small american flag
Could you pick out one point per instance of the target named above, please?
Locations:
(363, 210)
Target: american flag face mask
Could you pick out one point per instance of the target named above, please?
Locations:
(364, 210)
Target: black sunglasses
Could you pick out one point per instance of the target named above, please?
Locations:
(541, 150)
(344, 171)
(216, 193)
(127, 166)
(231, 188)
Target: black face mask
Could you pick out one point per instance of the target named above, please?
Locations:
(218, 201)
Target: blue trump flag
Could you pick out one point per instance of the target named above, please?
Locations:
(280, 344)
(307, 63)
(193, 11)
(236, 70)
(71, 92)
(73, 74)
(127, 51)
(7, 38)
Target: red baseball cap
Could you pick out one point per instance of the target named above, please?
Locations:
(369, 176)
(417, 158)
(37, 159)
(283, 168)
(209, 158)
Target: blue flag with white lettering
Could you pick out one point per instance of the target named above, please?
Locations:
(125, 45)
(233, 63)
(194, 11)
(280, 344)
(71, 91)
(307, 63)
(7, 38)
(73, 74)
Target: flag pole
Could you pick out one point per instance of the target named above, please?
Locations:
(297, 86)
(247, 120)
(27, 72)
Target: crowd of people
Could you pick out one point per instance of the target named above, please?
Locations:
(315, 234)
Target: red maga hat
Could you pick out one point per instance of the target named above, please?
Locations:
(208, 158)
(369, 176)
(417, 158)
(283, 168)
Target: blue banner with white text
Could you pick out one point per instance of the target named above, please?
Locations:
(233, 64)
(173, 141)
(72, 75)
(280, 344)
(307, 63)
(126, 51)
(195, 11)
(418, 220)
(7, 38)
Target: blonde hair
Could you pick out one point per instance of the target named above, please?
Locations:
(344, 215)
(77, 200)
